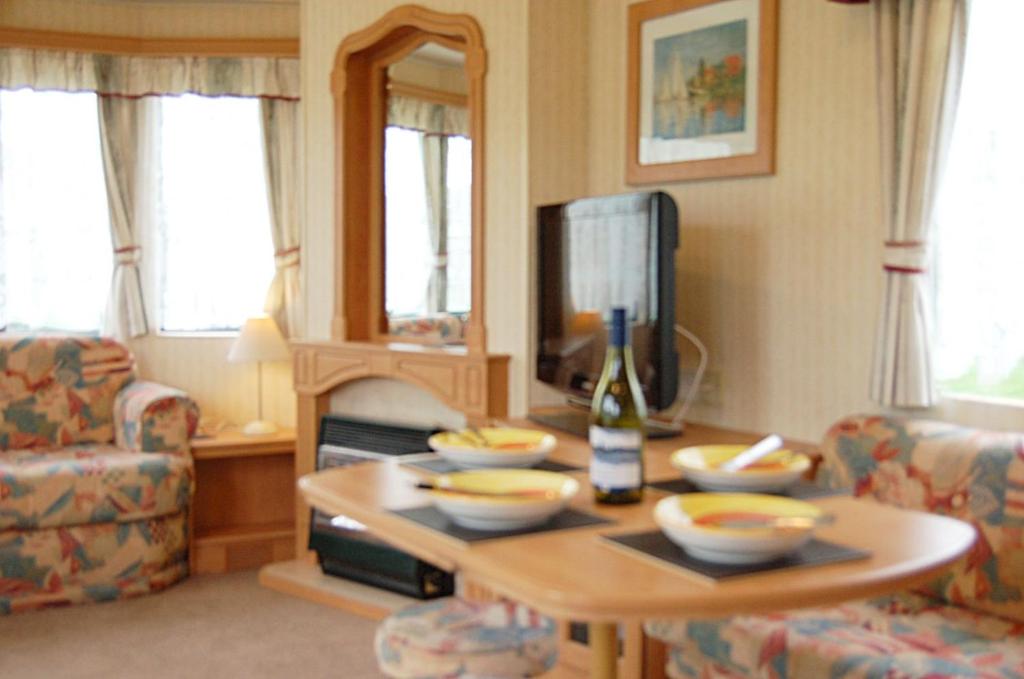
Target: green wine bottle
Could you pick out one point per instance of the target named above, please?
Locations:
(617, 423)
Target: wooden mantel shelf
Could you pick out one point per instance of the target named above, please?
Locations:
(472, 382)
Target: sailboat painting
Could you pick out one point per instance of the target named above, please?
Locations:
(699, 84)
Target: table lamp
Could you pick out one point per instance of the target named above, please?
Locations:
(259, 341)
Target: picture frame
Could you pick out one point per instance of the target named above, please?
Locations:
(701, 89)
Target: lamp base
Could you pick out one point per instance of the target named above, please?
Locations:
(259, 427)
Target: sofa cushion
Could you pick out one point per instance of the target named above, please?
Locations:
(94, 483)
(452, 637)
(903, 636)
(972, 475)
(96, 562)
(59, 390)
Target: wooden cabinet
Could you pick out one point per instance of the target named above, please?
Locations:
(243, 513)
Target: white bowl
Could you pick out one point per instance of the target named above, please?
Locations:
(688, 521)
(503, 513)
(509, 447)
(771, 474)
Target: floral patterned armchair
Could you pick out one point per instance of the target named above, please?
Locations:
(968, 623)
(96, 475)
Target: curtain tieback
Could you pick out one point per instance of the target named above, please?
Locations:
(905, 257)
(287, 257)
(130, 255)
(441, 260)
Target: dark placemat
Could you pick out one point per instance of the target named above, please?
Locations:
(655, 545)
(431, 517)
(801, 490)
(443, 466)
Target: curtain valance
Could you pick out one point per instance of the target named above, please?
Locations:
(131, 76)
(429, 117)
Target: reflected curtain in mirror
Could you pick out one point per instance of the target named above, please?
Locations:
(427, 177)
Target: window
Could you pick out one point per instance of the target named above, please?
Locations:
(980, 221)
(208, 252)
(214, 250)
(55, 252)
(410, 255)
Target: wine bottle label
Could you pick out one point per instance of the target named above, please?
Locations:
(615, 463)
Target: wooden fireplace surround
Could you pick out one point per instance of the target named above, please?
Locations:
(465, 378)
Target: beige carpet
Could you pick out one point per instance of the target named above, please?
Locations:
(222, 626)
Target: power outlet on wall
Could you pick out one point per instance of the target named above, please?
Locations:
(709, 394)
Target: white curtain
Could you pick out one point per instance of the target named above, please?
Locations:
(426, 116)
(280, 121)
(140, 76)
(127, 88)
(125, 128)
(435, 161)
(919, 48)
(610, 245)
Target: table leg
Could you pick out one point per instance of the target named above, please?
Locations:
(603, 639)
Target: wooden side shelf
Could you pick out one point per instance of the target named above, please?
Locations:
(243, 515)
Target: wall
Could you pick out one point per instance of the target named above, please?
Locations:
(225, 392)
(779, 275)
(558, 92)
(155, 19)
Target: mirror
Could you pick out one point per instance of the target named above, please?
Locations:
(428, 170)
(439, 58)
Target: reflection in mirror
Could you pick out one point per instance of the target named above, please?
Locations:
(427, 185)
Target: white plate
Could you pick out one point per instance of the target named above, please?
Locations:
(503, 513)
(679, 518)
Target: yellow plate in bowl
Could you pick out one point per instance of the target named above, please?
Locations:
(774, 472)
(499, 439)
(492, 483)
(714, 511)
(493, 447)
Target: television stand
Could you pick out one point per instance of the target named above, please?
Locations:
(578, 422)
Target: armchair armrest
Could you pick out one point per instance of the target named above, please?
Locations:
(150, 417)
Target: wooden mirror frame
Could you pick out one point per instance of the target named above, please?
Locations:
(359, 85)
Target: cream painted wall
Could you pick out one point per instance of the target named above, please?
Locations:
(559, 163)
(779, 275)
(226, 393)
(324, 24)
(155, 19)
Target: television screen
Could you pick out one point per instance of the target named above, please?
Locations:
(599, 253)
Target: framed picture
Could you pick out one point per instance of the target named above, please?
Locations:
(701, 85)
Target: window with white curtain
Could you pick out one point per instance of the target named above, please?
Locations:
(208, 253)
(979, 311)
(55, 252)
(215, 253)
(410, 256)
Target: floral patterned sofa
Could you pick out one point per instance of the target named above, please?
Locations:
(968, 623)
(95, 474)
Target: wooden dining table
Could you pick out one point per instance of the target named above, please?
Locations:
(577, 575)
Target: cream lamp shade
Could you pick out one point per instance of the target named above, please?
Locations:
(259, 341)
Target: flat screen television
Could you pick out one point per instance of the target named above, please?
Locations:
(595, 254)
